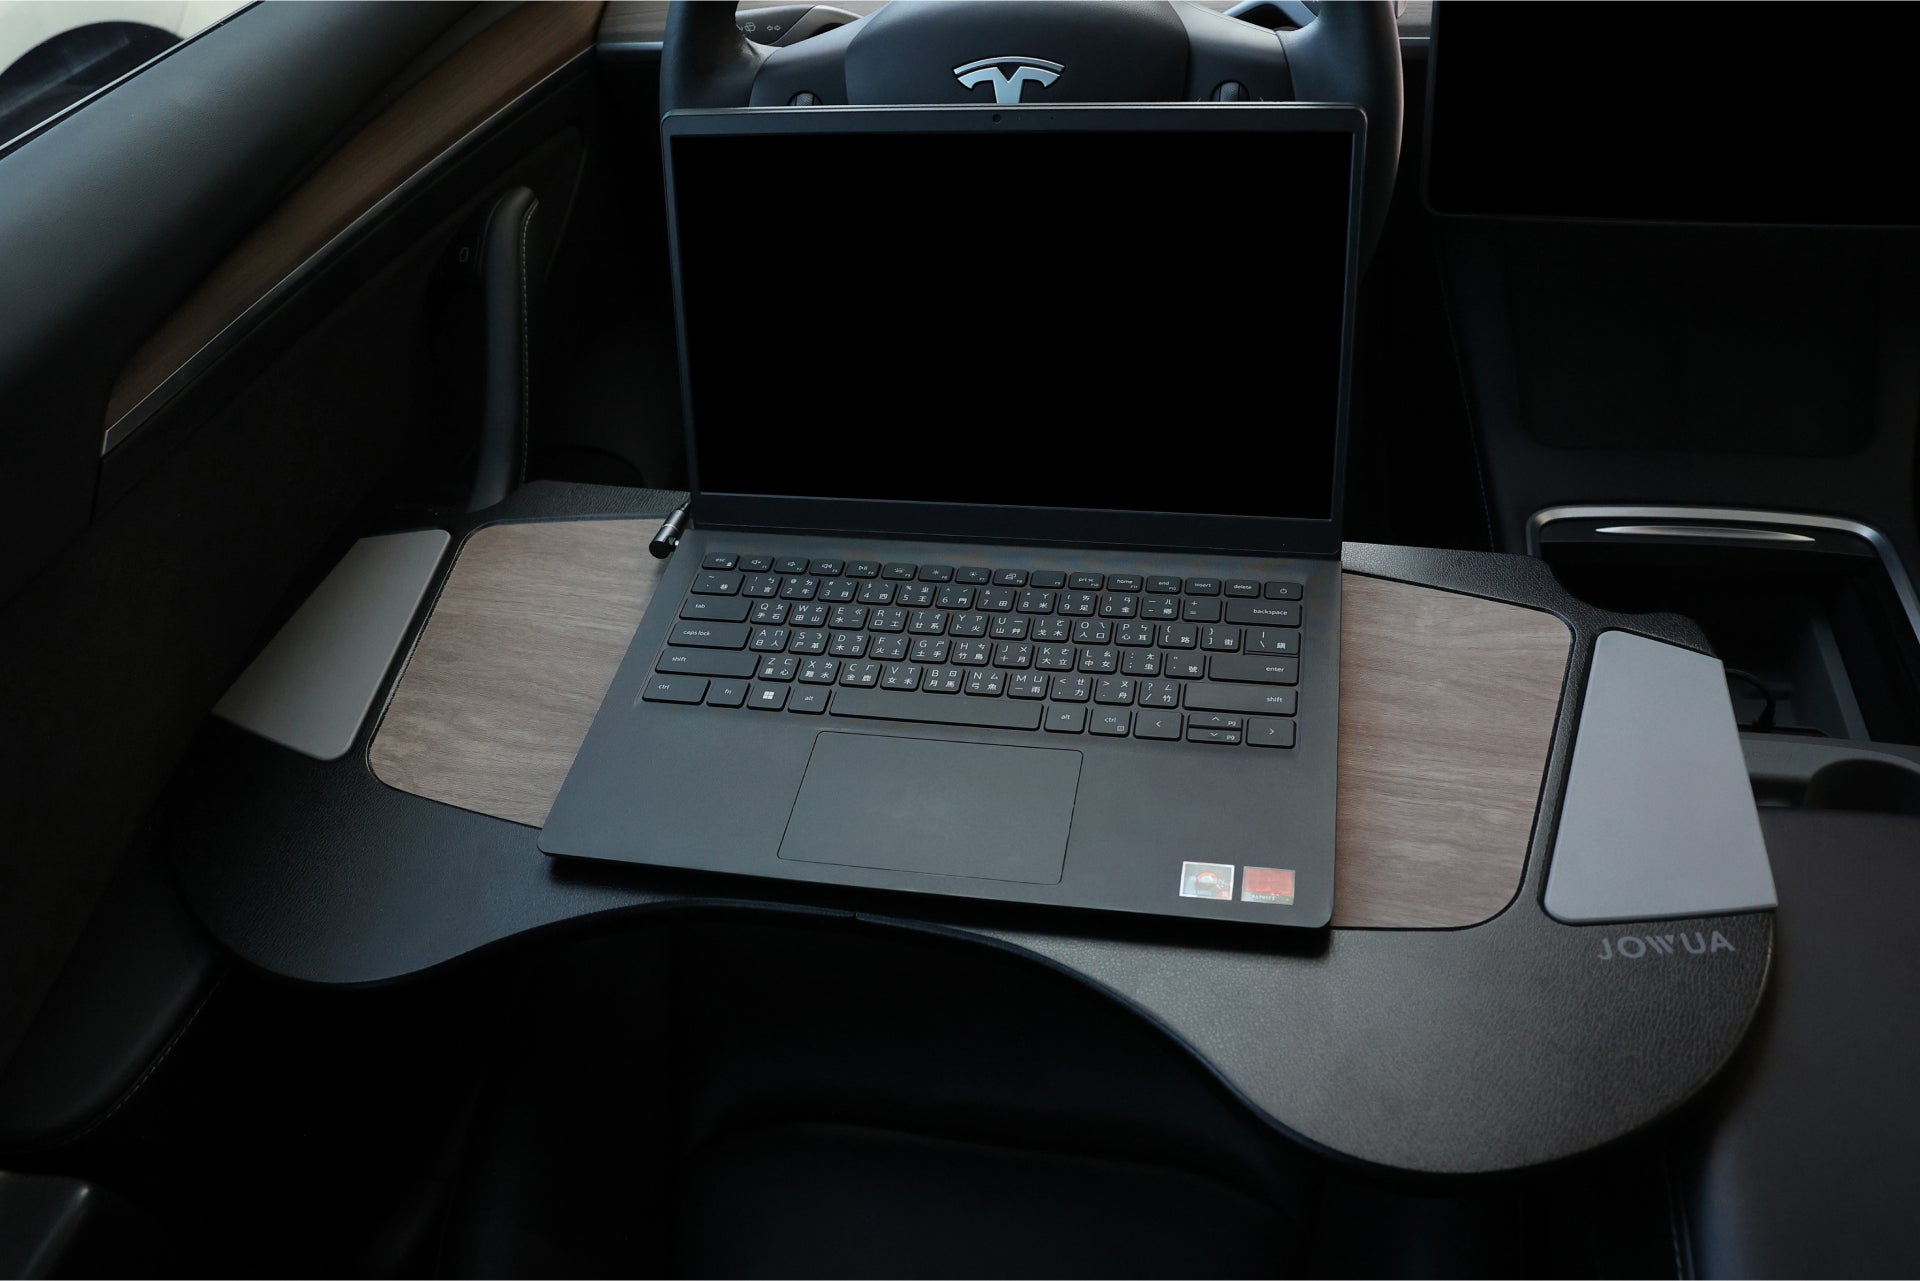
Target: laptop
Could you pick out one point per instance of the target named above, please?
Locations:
(1017, 437)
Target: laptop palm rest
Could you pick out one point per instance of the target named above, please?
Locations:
(944, 808)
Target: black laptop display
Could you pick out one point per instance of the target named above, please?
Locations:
(1016, 437)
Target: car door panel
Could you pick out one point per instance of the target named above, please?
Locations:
(261, 272)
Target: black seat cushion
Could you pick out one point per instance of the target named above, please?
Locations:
(1806, 1160)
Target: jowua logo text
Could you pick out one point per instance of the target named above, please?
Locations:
(1640, 947)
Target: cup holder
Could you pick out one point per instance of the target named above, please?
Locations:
(1877, 784)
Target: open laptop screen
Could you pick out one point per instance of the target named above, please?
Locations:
(1134, 319)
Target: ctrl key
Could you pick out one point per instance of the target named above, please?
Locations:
(675, 689)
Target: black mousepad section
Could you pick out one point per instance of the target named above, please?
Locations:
(820, 786)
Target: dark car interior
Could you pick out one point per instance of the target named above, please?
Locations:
(340, 397)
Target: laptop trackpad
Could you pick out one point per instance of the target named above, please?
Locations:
(922, 805)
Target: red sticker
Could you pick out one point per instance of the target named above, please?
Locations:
(1267, 885)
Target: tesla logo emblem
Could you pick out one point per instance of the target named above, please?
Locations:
(1008, 76)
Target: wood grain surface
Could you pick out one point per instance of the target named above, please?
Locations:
(475, 81)
(513, 662)
(1447, 707)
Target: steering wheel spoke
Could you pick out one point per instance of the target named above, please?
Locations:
(1036, 52)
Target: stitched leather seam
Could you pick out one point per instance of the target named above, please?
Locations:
(126, 1096)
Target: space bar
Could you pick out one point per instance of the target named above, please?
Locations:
(936, 709)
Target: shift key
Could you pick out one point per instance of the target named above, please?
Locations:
(709, 635)
(1257, 669)
(1263, 699)
(706, 662)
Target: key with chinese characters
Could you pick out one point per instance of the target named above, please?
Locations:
(1054, 658)
(778, 667)
(1158, 694)
(972, 653)
(1179, 636)
(1072, 689)
(986, 682)
(1091, 631)
(860, 675)
(900, 676)
(848, 645)
(1027, 685)
(1184, 666)
(1220, 638)
(1273, 640)
(1013, 654)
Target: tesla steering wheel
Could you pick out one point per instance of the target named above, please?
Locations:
(1041, 51)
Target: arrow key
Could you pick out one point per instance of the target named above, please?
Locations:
(1265, 731)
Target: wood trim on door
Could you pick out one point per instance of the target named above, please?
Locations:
(476, 81)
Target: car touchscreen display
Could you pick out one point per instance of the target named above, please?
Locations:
(1682, 112)
(1129, 321)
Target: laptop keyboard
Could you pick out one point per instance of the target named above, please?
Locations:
(1199, 660)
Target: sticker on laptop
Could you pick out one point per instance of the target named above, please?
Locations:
(1267, 885)
(1206, 880)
